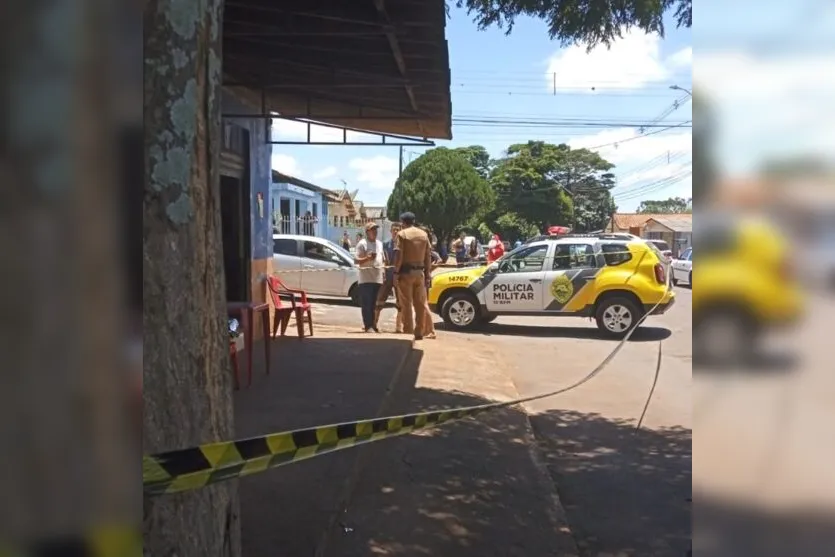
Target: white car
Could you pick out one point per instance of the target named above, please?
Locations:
(663, 247)
(683, 268)
(315, 265)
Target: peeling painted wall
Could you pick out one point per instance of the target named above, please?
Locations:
(260, 175)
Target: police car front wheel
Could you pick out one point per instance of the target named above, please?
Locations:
(615, 316)
(460, 311)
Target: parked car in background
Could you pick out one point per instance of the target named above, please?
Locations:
(315, 265)
(663, 247)
(682, 268)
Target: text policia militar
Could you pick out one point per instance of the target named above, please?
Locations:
(507, 293)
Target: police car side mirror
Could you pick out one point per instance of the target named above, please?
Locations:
(493, 267)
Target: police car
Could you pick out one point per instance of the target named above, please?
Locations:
(613, 278)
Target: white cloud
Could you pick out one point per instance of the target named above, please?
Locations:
(627, 147)
(642, 160)
(768, 106)
(288, 130)
(681, 59)
(285, 164)
(632, 62)
(378, 173)
(326, 172)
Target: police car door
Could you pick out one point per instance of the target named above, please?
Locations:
(517, 284)
(568, 285)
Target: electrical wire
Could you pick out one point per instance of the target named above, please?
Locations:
(652, 388)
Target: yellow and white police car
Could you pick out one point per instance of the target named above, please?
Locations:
(613, 278)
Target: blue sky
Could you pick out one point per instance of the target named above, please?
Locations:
(512, 77)
(770, 82)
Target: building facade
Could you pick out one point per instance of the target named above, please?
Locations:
(350, 215)
(677, 232)
(674, 228)
(298, 207)
(244, 191)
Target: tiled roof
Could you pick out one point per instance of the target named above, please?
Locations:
(675, 224)
(625, 221)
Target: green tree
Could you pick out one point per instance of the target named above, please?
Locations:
(478, 157)
(577, 21)
(443, 190)
(664, 206)
(512, 227)
(593, 209)
(537, 180)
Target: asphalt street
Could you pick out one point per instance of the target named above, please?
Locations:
(625, 492)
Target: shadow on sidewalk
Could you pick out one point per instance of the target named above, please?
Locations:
(468, 488)
(314, 381)
(625, 492)
(465, 489)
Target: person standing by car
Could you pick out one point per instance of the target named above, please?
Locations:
(346, 241)
(369, 257)
(412, 264)
(459, 248)
(388, 285)
(428, 323)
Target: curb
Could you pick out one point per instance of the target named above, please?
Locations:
(350, 483)
(557, 512)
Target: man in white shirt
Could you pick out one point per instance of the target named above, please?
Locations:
(369, 257)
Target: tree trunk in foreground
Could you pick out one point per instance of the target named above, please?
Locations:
(187, 383)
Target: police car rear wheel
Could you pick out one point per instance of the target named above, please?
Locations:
(615, 316)
(460, 311)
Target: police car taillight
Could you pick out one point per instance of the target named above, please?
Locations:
(660, 273)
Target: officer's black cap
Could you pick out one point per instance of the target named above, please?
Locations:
(407, 218)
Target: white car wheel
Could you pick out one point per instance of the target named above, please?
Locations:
(460, 311)
(616, 316)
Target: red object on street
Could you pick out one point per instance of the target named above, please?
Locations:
(298, 308)
(557, 230)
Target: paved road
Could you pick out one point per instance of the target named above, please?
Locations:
(625, 493)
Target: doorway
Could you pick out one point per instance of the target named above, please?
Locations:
(284, 208)
(235, 230)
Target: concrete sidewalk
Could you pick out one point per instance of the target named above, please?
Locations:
(471, 488)
(328, 378)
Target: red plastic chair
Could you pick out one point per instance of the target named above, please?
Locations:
(298, 307)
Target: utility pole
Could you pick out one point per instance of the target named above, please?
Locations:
(400, 173)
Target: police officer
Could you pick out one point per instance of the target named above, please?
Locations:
(412, 273)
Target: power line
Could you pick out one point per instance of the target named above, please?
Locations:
(661, 130)
(653, 187)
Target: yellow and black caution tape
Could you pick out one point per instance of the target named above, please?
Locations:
(110, 541)
(197, 467)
